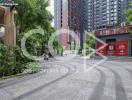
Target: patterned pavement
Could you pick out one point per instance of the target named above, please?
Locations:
(66, 80)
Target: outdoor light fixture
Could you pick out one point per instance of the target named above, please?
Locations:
(2, 31)
(13, 8)
(14, 11)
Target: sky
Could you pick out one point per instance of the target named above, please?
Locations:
(51, 9)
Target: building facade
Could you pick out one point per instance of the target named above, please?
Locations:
(7, 26)
(91, 15)
(77, 20)
(61, 20)
(72, 15)
(57, 14)
(118, 41)
(106, 13)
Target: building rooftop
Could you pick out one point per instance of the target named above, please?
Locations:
(7, 3)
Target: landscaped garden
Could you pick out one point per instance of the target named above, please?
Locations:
(29, 15)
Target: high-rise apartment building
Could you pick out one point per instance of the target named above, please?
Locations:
(106, 13)
(71, 14)
(77, 14)
(61, 19)
(57, 14)
(90, 15)
(61, 14)
(109, 25)
(77, 20)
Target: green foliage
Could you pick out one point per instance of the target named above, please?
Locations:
(33, 44)
(57, 47)
(31, 14)
(12, 61)
(32, 68)
(129, 16)
(7, 59)
(90, 42)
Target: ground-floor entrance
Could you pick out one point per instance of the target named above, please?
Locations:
(114, 48)
(118, 40)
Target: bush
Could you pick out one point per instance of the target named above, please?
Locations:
(33, 67)
(12, 61)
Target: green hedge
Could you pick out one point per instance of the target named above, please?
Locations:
(12, 61)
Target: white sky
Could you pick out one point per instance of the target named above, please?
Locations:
(51, 9)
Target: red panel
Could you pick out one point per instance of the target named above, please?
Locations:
(121, 48)
(101, 51)
(111, 49)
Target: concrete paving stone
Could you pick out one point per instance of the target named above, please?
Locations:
(110, 80)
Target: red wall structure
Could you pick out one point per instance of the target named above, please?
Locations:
(101, 51)
(121, 48)
(113, 31)
(118, 47)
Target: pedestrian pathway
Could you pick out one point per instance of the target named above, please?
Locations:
(110, 80)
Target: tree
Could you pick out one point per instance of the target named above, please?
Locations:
(33, 13)
(90, 43)
(129, 16)
(129, 19)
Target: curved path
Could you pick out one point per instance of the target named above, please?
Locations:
(66, 80)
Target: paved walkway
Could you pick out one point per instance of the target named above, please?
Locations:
(67, 81)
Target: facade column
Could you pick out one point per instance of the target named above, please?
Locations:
(10, 29)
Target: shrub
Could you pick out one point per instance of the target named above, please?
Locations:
(12, 61)
(33, 67)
